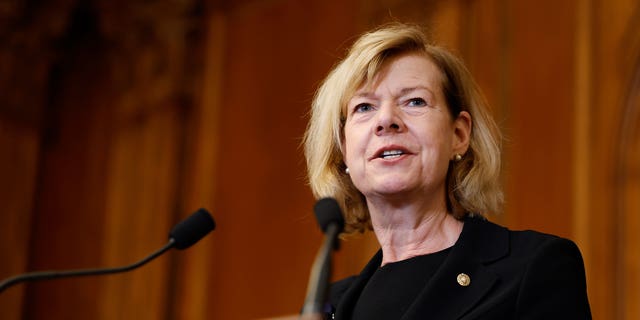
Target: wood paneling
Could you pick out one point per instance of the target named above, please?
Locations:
(191, 278)
(69, 205)
(540, 123)
(18, 171)
(136, 114)
(615, 53)
(628, 204)
(103, 136)
(627, 172)
(25, 63)
(275, 54)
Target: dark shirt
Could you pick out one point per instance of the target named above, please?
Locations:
(395, 286)
(509, 275)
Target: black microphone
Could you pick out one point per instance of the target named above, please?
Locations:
(182, 236)
(331, 222)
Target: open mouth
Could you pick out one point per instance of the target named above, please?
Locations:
(390, 154)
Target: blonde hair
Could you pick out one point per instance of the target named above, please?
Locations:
(472, 183)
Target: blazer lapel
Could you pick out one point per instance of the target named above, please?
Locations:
(350, 297)
(479, 243)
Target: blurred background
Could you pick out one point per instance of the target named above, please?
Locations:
(119, 118)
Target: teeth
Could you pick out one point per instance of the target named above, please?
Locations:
(391, 154)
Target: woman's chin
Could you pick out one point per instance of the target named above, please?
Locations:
(391, 190)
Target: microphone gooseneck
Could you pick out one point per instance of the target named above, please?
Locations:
(46, 275)
(183, 235)
(331, 222)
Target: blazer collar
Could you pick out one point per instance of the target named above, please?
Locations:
(480, 243)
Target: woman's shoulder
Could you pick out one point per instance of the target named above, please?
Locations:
(523, 239)
(550, 266)
(523, 248)
(488, 239)
(532, 241)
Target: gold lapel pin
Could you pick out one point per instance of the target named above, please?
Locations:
(463, 279)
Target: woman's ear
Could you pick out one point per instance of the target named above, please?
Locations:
(462, 126)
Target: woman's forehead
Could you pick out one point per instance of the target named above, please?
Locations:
(424, 75)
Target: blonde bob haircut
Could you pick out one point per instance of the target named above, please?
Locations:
(473, 186)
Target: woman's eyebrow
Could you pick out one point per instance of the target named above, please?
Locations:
(364, 94)
(404, 91)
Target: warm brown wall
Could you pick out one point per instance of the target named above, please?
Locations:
(272, 54)
(611, 156)
(114, 126)
(95, 127)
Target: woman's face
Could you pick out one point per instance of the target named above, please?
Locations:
(399, 135)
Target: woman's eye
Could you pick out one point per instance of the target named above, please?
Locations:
(363, 107)
(417, 102)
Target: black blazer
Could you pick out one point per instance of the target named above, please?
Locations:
(513, 275)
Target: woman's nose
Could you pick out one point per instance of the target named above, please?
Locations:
(389, 120)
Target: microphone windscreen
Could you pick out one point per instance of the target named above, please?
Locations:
(328, 212)
(192, 229)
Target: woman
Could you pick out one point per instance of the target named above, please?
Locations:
(400, 135)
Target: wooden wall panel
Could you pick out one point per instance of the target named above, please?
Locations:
(140, 207)
(615, 53)
(106, 127)
(628, 176)
(144, 125)
(18, 170)
(25, 37)
(199, 180)
(628, 203)
(486, 48)
(69, 201)
(276, 52)
(540, 124)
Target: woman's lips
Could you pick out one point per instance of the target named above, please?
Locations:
(390, 152)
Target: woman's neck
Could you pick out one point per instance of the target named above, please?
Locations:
(413, 230)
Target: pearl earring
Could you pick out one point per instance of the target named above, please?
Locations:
(346, 170)
(457, 157)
